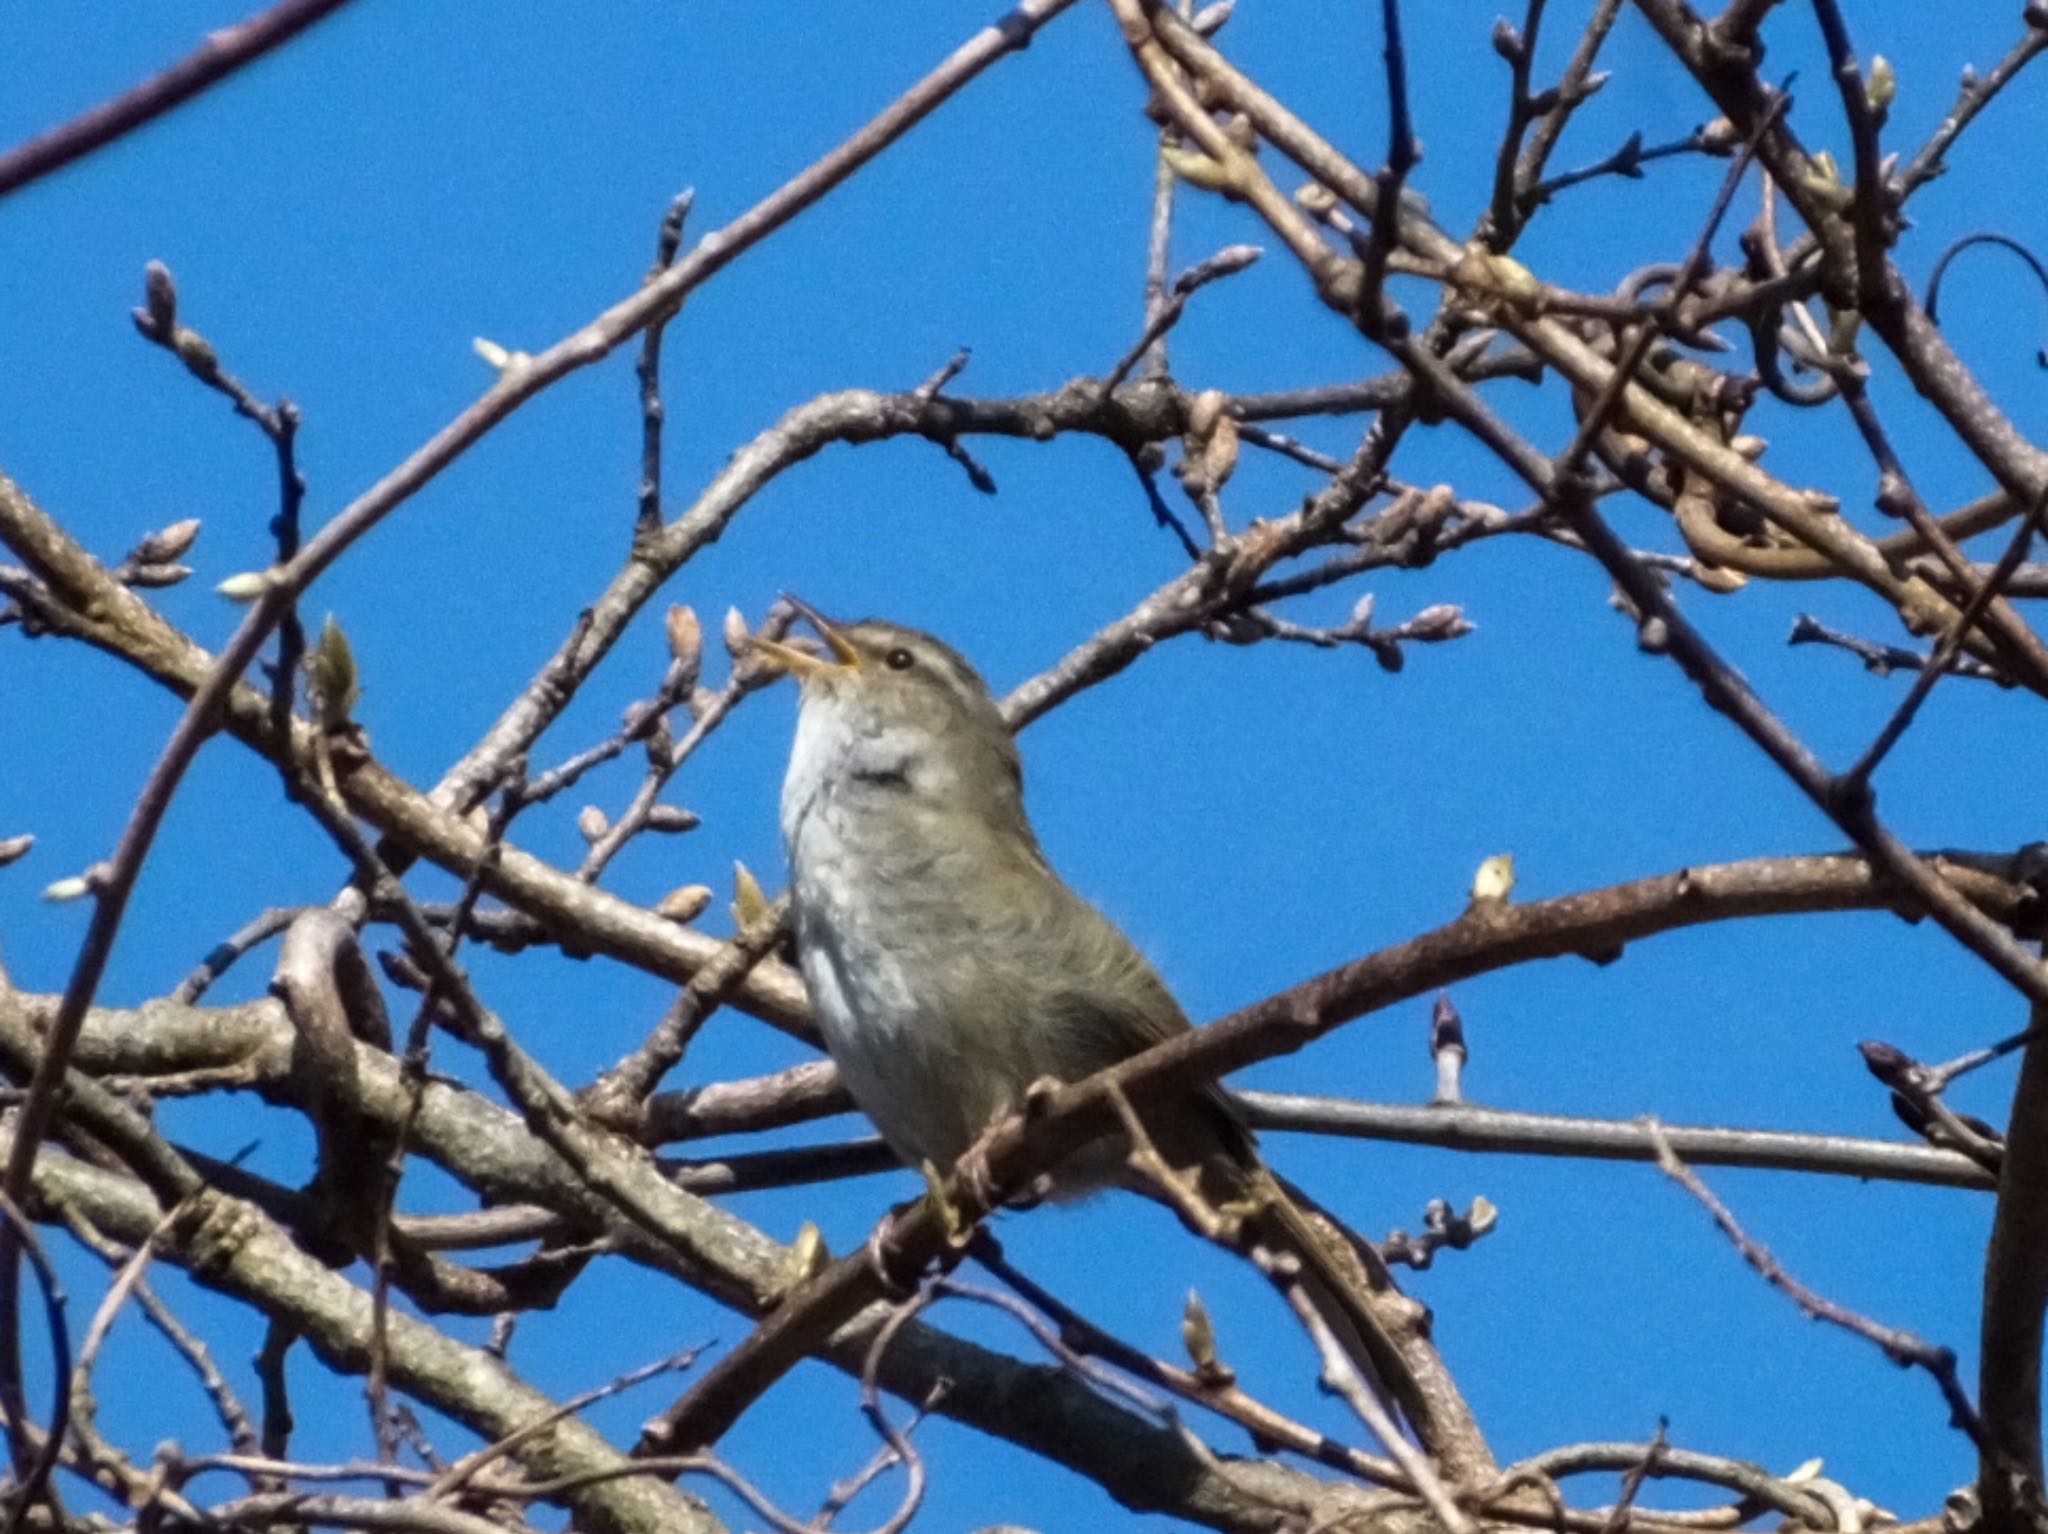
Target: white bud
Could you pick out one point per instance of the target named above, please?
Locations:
(1495, 880)
(245, 587)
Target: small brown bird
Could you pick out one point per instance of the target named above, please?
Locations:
(950, 967)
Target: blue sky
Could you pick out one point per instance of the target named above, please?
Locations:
(345, 217)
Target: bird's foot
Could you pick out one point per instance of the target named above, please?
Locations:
(975, 1176)
(886, 1259)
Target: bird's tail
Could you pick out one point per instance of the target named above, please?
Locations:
(1345, 1280)
(1302, 1248)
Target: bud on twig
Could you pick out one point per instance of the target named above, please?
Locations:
(1823, 179)
(1196, 168)
(1227, 262)
(661, 744)
(1198, 1336)
(497, 356)
(332, 678)
(245, 587)
(735, 634)
(1219, 453)
(1720, 138)
(808, 1254)
(1434, 624)
(197, 353)
(685, 904)
(166, 544)
(749, 904)
(1495, 880)
(1447, 1048)
(156, 577)
(686, 641)
(159, 316)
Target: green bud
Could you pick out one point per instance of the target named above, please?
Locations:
(1822, 178)
(1197, 169)
(749, 904)
(331, 676)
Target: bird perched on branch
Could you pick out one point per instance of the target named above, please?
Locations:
(950, 967)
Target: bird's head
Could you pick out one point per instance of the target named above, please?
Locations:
(893, 710)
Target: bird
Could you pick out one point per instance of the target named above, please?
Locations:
(950, 968)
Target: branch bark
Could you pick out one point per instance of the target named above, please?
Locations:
(2009, 1480)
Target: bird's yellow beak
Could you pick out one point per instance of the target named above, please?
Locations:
(801, 664)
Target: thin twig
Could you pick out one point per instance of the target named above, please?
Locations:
(1977, 93)
(1901, 1347)
(224, 51)
(32, 1468)
(1573, 89)
(653, 410)
(1402, 156)
(1471, 1128)
(1857, 779)
(1884, 659)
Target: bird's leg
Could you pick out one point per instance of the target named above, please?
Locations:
(1181, 1189)
(977, 1178)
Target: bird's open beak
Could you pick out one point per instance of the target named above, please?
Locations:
(801, 664)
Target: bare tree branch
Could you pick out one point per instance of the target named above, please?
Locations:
(223, 52)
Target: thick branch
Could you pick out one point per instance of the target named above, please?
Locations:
(2015, 1296)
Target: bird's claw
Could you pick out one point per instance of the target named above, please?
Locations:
(885, 1258)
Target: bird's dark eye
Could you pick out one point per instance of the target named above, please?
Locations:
(899, 659)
